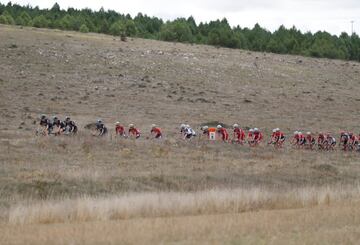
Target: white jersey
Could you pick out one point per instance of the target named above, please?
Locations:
(189, 132)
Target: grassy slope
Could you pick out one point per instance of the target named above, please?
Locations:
(142, 81)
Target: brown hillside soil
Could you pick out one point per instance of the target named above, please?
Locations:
(90, 76)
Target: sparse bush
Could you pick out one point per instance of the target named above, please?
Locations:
(7, 19)
(178, 31)
(40, 22)
(117, 29)
(84, 28)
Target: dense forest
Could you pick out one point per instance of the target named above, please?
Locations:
(218, 33)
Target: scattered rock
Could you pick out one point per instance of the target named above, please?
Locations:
(247, 101)
(142, 85)
(202, 100)
(146, 79)
(329, 99)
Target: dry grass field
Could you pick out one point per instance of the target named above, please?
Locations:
(85, 190)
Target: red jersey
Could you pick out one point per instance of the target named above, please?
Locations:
(352, 138)
(309, 138)
(321, 138)
(250, 135)
(258, 136)
(239, 134)
(120, 130)
(273, 136)
(224, 134)
(157, 132)
(135, 132)
(279, 134)
(301, 137)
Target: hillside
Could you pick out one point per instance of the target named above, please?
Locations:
(142, 81)
(90, 76)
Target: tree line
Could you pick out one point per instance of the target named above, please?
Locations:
(218, 33)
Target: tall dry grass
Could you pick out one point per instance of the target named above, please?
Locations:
(164, 204)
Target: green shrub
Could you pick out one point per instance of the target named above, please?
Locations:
(84, 28)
